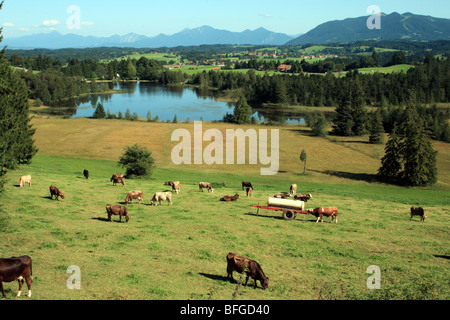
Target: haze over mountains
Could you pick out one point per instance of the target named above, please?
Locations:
(394, 26)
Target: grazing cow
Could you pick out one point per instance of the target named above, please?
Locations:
(86, 173)
(207, 185)
(54, 191)
(418, 211)
(16, 268)
(321, 211)
(293, 189)
(117, 178)
(161, 196)
(138, 194)
(25, 179)
(121, 211)
(303, 197)
(252, 268)
(282, 195)
(175, 185)
(230, 198)
(249, 191)
(246, 184)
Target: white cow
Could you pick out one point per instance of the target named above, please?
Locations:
(161, 196)
(25, 179)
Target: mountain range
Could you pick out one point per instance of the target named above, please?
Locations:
(187, 37)
(394, 26)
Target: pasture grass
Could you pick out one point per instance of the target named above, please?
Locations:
(178, 252)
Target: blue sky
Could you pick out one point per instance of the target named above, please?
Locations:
(105, 18)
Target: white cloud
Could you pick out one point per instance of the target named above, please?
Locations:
(266, 15)
(87, 23)
(8, 24)
(50, 23)
(24, 29)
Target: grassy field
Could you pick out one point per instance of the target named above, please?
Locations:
(391, 69)
(178, 252)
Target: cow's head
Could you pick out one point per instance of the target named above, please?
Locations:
(265, 283)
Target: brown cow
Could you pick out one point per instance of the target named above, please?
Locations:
(418, 211)
(117, 210)
(282, 195)
(175, 185)
(252, 268)
(54, 191)
(230, 198)
(249, 191)
(293, 189)
(246, 184)
(138, 194)
(117, 178)
(207, 185)
(16, 268)
(321, 211)
(25, 179)
(303, 197)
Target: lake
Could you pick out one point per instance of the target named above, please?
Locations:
(187, 103)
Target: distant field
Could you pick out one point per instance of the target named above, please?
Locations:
(178, 252)
(391, 69)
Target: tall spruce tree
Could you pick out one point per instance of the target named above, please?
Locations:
(16, 133)
(409, 158)
(391, 163)
(350, 117)
(376, 128)
(418, 154)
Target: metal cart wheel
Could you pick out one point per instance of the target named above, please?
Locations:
(288, 215)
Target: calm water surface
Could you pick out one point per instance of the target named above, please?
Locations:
(187, 103)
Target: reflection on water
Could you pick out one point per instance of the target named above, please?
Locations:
(187, 103)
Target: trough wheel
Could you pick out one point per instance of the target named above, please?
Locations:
(288, 215)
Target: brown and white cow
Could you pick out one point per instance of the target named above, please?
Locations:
(418, 211)
(230, 198)
(16, 268)
(25, 179)
(54, 191)
(137, 194)
(249, 191)
(246, 184)
(207, 185)
(117, 178)
(293, 189)
(161, 196)
(324, 211)
(175, 185)
(303, 197)
(117, 210)
(282, 195)
(252, 268)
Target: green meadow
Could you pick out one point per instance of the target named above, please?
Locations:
(178, 252)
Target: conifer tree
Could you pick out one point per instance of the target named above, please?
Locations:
(99, 112)
(16, 133)
(391, 163)
(376, 128)
(409, 158)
